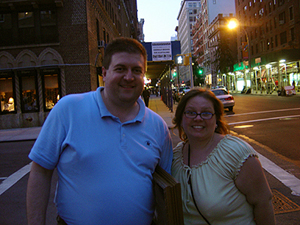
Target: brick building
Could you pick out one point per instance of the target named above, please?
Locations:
(269, 59)
(51, 48)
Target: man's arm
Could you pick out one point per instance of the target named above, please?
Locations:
(38, 191)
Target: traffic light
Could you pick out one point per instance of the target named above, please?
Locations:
(174, 73)
(186, 61)
(200, 71)
(179, 59)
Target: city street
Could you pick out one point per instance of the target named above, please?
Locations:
(269, 123)
(273, 121)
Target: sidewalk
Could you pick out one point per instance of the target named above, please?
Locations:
(31, 133)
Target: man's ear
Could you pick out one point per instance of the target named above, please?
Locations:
(103, 73)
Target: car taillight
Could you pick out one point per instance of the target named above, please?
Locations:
(229, 98)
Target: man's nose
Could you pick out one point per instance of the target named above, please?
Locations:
(129, 75)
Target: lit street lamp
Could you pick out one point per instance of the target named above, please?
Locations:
(233, 24)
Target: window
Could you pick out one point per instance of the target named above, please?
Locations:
(292, 34)
(276, 41)
(283, 38)
(282, 18)
(6, 37)
(29, 97)
(51, 88)
(7, 96)
(30, 27)
(49, 33)
(26, 31)
(272, 44)
(291, 11)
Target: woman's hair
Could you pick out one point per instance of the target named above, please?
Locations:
(222, 127)
(127, 45)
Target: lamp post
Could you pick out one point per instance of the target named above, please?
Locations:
(232, 24)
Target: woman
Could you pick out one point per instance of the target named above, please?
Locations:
(222, 181)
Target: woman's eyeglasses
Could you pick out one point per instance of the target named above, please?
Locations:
(203, 115)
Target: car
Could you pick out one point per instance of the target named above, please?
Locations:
(177, 95)
(224, 97)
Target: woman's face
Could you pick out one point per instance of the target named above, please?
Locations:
(198, 127)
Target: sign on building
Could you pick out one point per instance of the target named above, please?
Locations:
(161, 51)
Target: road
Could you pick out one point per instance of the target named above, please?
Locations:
(271, 120)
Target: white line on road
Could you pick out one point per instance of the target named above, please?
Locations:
(14, 178)
(265, 119)
(283, 176)
(260, 112)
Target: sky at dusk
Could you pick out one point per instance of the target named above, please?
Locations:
(160, 18)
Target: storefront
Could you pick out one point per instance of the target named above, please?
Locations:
(262, 78)
(28, 95)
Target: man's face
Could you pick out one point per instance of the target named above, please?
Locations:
(124, 79)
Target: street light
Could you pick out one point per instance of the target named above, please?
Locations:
(233, 24)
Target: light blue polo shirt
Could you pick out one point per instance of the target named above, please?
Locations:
(105, 167)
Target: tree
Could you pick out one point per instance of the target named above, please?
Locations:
(223, 59)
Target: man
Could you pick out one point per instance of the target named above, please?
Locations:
(105, 145)
(146, 96)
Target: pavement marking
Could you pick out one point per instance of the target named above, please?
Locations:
(14, 178)
(283, 176)
(265, 119)
(260, 112)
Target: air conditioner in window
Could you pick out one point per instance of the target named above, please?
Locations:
(101, 44)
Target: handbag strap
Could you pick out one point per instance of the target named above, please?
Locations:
(190, 182)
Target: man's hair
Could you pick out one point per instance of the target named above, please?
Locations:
(127, 45)
(222, 127)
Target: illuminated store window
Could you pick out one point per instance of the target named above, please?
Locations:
(50, 87)
(29, 97)
(7, 98)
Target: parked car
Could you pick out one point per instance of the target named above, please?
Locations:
(225, 98)
(177, 95)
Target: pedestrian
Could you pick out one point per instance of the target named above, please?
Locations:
(105, 145)
(222, 181)
(146, 96)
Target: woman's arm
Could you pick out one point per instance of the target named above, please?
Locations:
(252, 182)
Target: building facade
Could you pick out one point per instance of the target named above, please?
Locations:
(222, 51)
(51, 48)
(141, 35)
(270, 30)
(208, 13)
(186, 19)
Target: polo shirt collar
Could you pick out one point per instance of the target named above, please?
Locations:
(105, 113)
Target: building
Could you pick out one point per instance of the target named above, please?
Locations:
(208, 13)
(270, 30)
(186, 19)
(141, 35)
(51, 48)
(222, 51)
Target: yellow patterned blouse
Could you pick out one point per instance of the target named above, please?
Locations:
(214, 189)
